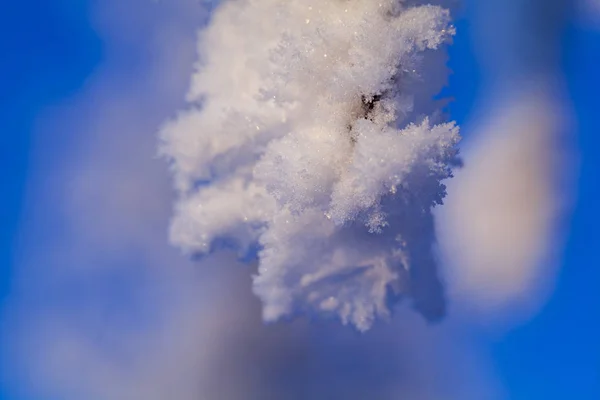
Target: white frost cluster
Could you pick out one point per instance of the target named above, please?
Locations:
(313, 141)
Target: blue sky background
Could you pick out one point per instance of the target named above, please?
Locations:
(49, 50)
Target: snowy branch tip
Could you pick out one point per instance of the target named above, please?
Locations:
(313, 136)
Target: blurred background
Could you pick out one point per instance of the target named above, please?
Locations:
(95, 304)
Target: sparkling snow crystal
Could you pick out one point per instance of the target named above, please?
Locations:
(312, 135)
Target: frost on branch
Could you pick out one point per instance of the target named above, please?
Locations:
(312, 135)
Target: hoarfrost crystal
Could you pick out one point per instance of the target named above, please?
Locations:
(313, 136)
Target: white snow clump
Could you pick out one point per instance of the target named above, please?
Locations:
(313, 142)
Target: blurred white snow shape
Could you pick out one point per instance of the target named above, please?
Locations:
(499, 231)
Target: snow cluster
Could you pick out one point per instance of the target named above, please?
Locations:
(313, 141)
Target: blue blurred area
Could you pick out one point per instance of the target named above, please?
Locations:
(48, 49)
(465, 73)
